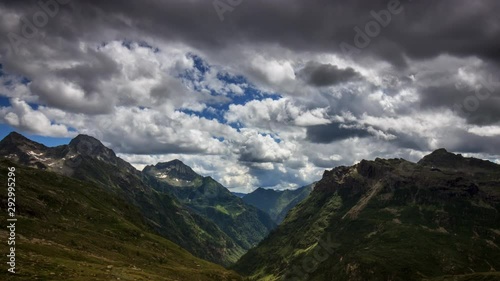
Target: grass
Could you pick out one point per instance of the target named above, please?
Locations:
(221, 209)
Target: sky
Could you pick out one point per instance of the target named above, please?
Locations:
(255, 93)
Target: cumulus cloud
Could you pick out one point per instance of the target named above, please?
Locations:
(269, 113)
(21, 115)
(263, 148)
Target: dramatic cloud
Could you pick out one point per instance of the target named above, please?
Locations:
(326, 74)
(333, 132)
(269, 93)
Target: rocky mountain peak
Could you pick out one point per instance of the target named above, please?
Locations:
(440, 158)
(174, 169)
(443, 159)
(90, 146)
(16, 139)
(18, 148)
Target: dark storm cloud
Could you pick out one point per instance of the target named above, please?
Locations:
(424, 29)
(478, 106)
(145, 147)
(466, 142)
(414, 142)
(325, 163)
(333, 132)
(101, 67)
(321, 75)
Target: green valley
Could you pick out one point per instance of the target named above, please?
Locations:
(245, 224)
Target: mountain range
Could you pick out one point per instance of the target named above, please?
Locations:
(206, 230)
(437, 219)
(86, 214)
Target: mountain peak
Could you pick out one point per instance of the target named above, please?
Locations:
(176, 164)
(15, 137)
(14, 141)
(90, 146)
(441, 158)
(174, 169)
(85, 138)
(441, 152)
(15, 134)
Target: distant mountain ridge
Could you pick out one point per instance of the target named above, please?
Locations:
(277, 203)
(390, 219)
(239, 194)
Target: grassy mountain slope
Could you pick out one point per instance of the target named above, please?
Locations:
(243, 223)
(69, 229)
(277, 203)
(390, 220)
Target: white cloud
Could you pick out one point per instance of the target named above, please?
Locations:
(255, 147)
(22, 116)
(269, 113)
(485, 131)
(273, 71)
